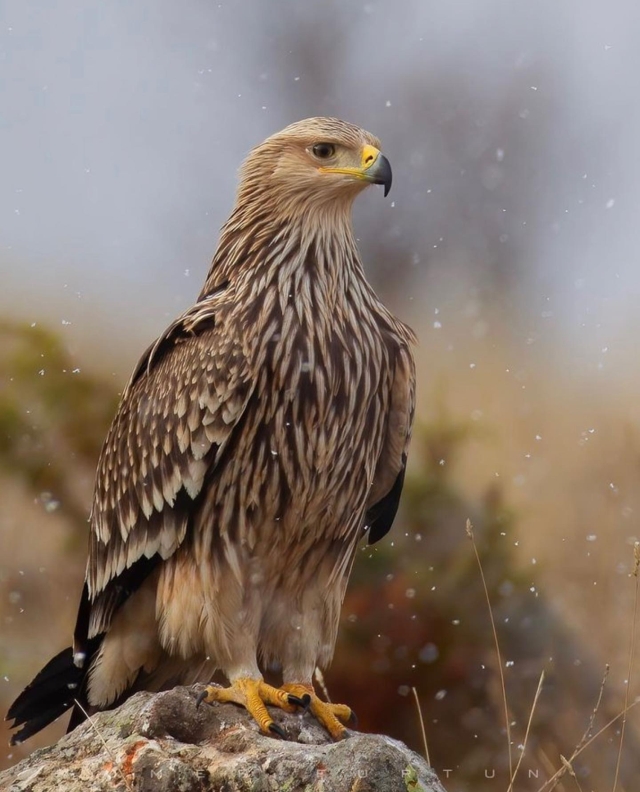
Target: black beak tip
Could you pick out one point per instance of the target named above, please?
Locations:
(383, 173)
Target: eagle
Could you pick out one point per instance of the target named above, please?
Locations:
(260, 437)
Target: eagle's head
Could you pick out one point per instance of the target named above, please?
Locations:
(314, 162)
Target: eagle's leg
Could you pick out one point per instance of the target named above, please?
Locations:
(331, 716)
(254, 695)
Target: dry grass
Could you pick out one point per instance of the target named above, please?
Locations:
(527, 732)
(588, 738)
(632, 642)
(423, 731)
(503, 687)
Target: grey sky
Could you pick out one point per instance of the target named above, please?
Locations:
(512, 127)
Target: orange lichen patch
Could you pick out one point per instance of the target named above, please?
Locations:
(130, 756)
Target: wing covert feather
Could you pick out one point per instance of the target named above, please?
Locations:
(176, 415)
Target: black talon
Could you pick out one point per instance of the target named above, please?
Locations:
(201, 697)
(353, 720)
(297, 701)
(276, 729)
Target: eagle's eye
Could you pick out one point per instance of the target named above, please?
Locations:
(323, 150)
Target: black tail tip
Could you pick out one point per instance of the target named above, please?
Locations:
(48, 696)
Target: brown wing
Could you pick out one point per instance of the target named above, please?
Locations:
(175, 418)
(389, 476)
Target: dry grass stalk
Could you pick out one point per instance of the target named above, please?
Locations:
(422, 728)
(528, 729)
(569, 769)
(105, 746)
(594, 712)
(636, 566)
(469, 529)
(559, 773)
(550, 768)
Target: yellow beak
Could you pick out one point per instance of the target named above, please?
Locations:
(374, 168)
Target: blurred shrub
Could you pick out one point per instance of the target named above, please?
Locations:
(53, 419)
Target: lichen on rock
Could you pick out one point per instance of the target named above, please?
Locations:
(162, 743)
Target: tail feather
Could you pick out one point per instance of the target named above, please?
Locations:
(61, 685)
(51, 693)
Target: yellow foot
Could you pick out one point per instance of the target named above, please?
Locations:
(331, 716)
(253, 695)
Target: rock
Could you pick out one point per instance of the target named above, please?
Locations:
(162, 743)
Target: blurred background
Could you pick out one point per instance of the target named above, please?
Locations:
(509, 242)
